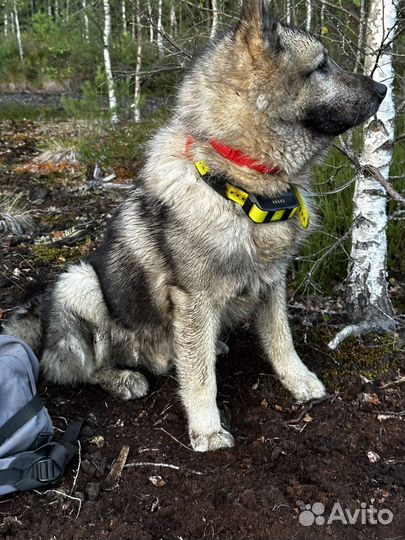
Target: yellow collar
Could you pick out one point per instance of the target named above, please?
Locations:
(258, 208)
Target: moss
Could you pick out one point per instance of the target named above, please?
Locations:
(372, 356)
(45, 253)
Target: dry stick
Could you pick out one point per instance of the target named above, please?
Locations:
(163, 465)
(116, 470)
(392, 383)
(176, 440)
(311, 404)
(375, 173)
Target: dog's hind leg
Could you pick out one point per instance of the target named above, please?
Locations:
(195, 333)
(276, 338)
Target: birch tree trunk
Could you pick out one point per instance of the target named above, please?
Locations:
(107, 62)
(151, 29)
(137, 92)
(367, 297)
(86, 21)
(214, 5)
(124, 17)
(309, 15)
(362, 23)
(18, 32)
(160, 29)
(173, 20)
(5, 23)
(288, 19)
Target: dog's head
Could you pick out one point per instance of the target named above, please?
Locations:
(296, 79)
(267, 76)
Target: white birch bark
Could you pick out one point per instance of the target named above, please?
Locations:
(107, 62)
(308, 21)
(362, 23)
(151, 29)
(124, 17)
(86, 21)
(214, 26)
(160, 29)
(138, 67)
(5, 24)
(18, 31)
(173, 20)
(367, 287)
(288, 19)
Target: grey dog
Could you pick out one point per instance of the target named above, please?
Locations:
(204, 240)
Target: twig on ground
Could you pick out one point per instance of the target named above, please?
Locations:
(163, 465)
(58, 492)
(392, 383)
(176, 440)
(79, 452)
(310, 405)
(116, 470)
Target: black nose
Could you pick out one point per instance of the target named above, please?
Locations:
(380, 90)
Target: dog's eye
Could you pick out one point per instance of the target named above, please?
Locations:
(323, 66)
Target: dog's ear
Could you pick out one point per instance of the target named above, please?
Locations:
(256, 28)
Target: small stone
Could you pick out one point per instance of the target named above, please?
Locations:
(157, 480)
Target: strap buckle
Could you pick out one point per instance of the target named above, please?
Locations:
(45, 471)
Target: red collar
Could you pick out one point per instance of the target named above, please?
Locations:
(242, 159)
(236, 157)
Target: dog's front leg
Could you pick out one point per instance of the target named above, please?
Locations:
(195, 336)
(275, 334)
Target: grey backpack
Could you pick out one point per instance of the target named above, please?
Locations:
(29, 457)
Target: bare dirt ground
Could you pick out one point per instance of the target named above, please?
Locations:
(349, 449)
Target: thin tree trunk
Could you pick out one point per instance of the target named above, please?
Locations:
(173, 20)
(18, 32)
(107, 62)
(322, 18)
(160, 29)
(86, 21)
(124, 17)
(151, 29)
(288, 12)
(137, 93)
(367, 287)
(5, 24)
(360, 39)
(309, 15)
(214, 5)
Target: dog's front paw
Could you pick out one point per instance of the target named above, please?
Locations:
(214, 441)
(304, 385)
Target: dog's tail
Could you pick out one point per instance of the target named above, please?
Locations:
(26, 324)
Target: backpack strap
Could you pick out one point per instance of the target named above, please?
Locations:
(45, 465)
(20, 418)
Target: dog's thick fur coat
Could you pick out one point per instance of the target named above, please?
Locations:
(179, 263)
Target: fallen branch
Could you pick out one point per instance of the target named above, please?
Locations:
(392, 383)
(163, 465)
(357, 330)
(310, 405)
(116, 470)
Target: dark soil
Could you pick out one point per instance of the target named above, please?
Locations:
(349, 449)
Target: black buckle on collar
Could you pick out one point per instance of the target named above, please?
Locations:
(263, 210)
